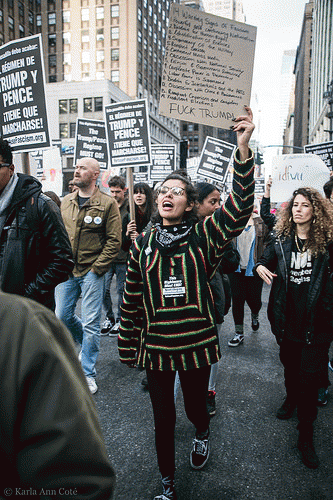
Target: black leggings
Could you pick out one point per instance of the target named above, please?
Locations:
(194, 385)
(245, 289)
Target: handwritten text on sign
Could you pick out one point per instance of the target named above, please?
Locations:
(208, 66)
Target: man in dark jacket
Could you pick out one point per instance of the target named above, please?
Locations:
(50, 437)
(35, 252)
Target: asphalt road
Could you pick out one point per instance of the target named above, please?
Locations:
(253, 454)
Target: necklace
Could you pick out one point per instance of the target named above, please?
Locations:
(297, 245)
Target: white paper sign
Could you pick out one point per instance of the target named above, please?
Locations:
(290, 172)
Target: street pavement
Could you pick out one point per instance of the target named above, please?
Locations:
(253, 454)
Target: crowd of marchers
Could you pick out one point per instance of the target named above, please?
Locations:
(180, 262)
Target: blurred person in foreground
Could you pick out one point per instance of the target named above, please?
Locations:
(50, 437)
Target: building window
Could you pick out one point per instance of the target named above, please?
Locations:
(115, 76)
(115, 54)
(84, 15)
(66, 38)
(98, 103)
(100, 75)
(52, 61)
(100, 35)
(66, 16)
(38, 20)
(87, 105)
(73, 105)
(21, 31)
(51, 18)
(85, 36)
(114, 10)
(72, 130)
(115, 33)
(63, 107)
(67, 59)
(63, 130)
(99, 12)
(99, 56)
(139, 14)
(52, 39)
(139, 36)
(85, 55)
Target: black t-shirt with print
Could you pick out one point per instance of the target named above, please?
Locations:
(298, 287)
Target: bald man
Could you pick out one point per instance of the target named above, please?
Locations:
(93, 223)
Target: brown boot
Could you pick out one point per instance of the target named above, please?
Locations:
(306, 447)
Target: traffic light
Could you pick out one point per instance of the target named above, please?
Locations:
(259, 158)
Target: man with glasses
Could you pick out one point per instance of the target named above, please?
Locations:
(93, 224)
(35, 252)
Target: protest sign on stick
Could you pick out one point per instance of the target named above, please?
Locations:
(290, 172)
(90, 141)
(23, 114)
(163, 161)
(208, 67)
(215, 160)
(128, 138)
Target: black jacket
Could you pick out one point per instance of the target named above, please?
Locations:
(35, 252)
(265, 213)
(319, 305)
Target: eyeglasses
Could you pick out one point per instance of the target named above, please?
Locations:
(2, 165)
(175, 190)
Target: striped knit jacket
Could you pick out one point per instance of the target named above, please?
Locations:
(168, 320)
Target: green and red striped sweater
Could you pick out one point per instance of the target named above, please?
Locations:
(168, 320)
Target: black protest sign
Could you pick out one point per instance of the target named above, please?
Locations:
(215, 160)
(324, 150)
(259, 185)
(163, 161)
(127, 129)
(141, 174)
(23, 113)
(90, 141)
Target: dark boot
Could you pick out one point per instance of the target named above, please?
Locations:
(287, 409)
(306, 447)
(168, 486)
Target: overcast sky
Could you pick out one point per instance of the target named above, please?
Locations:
(279, 24)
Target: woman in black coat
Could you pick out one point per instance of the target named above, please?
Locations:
(299, 264)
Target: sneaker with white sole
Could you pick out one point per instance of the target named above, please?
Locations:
(107, 326)
(92, 384)
(236, 340)
(115, 330)
(200, 452)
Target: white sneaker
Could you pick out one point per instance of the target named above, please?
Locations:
(236, 341)
(92, 384)
(115, 330)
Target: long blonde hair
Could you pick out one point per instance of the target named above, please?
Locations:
(321, 229)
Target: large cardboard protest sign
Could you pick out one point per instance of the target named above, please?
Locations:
(163, 161)
(208, 67)
(128, 137)
(324, 150)
(23, 115)
(215, 160)
(290, 172)
(90, 141)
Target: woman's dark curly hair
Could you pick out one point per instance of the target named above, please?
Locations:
(142, 187)
(321, 230)
(190, 217)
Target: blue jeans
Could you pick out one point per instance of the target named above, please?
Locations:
(120, 271)
(85, 330)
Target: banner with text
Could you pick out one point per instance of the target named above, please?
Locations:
(23, 114)
(324, 150)
(290, 172)
(163, 161)
(127, 129)
(208, 67)
(90, 141)
(215, 160)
